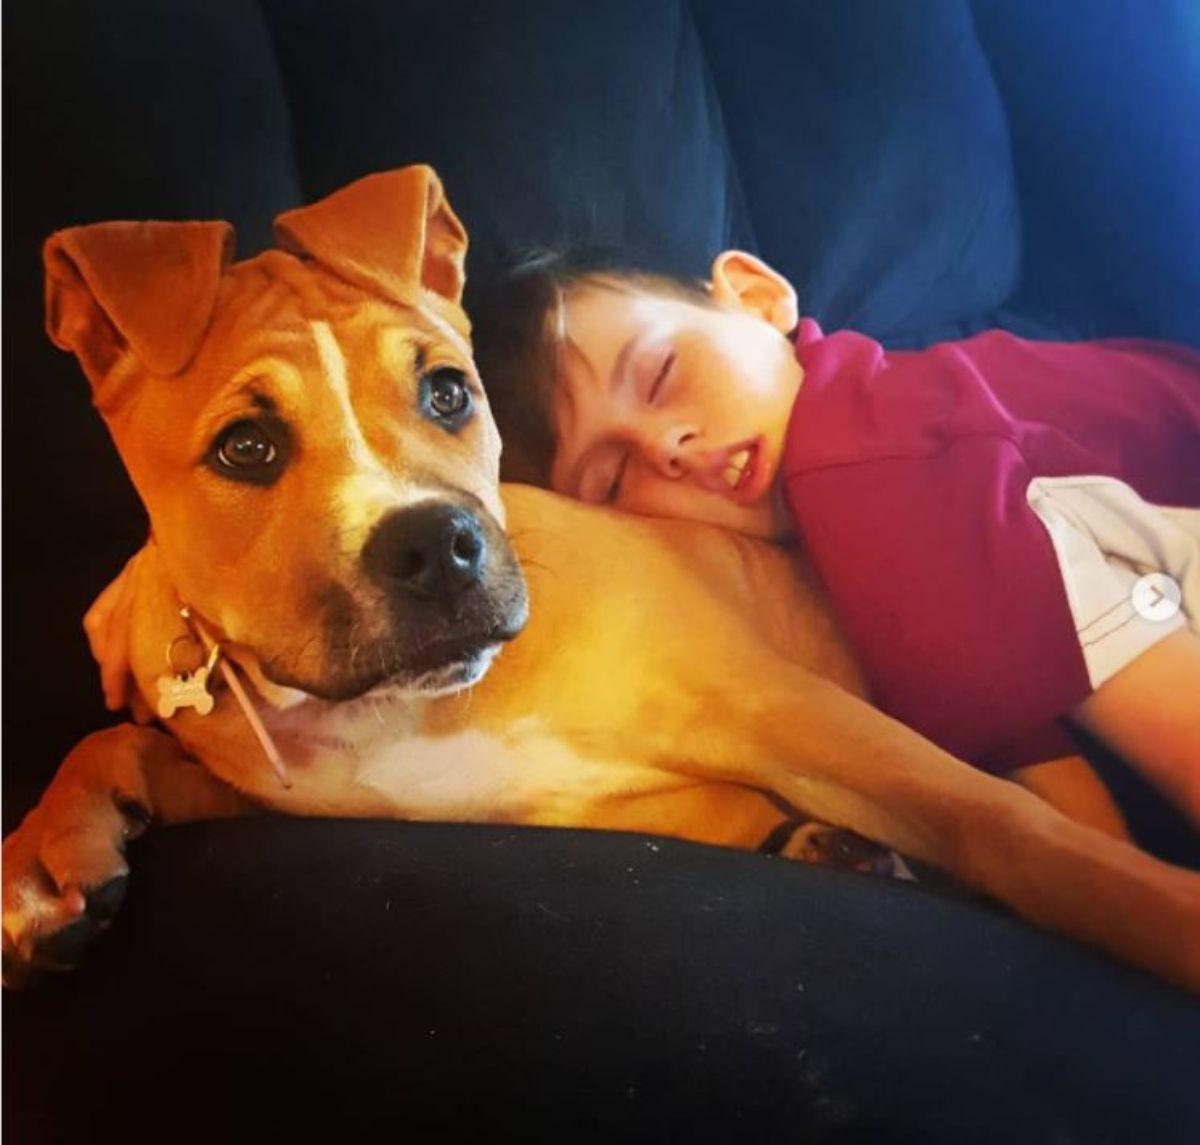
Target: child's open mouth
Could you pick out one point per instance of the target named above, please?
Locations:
(740, 467)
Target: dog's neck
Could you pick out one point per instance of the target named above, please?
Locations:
(163, 619)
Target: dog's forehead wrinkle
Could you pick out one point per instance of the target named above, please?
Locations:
(277, 298)
(273, 298)
(316, 289)
(321, 295)
(253, 303)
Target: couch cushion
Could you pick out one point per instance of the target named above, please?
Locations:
(1102, 104)
(144, 110)
(549, 122)
(869, 137)
(873, 153)
(293, 980)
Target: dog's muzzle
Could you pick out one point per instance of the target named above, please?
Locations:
(439, 590)
(451, 592)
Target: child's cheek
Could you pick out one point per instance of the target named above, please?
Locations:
(652, 495)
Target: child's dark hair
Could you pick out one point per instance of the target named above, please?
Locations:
(515, 317)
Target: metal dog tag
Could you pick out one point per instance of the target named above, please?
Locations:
(179, 689)
(186, 690)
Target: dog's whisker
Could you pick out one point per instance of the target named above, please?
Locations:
(355, 646)
(550, 572)
(518, 534)
(303, 650)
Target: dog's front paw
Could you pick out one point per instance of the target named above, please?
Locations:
(64, 878)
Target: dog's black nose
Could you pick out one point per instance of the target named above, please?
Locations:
(435, 551)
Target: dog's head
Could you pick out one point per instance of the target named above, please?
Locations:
(307, 431)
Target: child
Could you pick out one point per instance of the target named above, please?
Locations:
(983, 512)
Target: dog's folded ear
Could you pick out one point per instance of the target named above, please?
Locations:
(390, 234)
(145, 287)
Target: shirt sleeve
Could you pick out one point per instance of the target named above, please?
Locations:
(949, 588)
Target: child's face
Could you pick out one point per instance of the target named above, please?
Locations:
(672, 408)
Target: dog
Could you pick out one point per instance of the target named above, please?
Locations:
(330, 542)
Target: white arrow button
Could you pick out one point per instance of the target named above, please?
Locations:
(1156, 596)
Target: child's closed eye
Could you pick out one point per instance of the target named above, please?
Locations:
(660, 378)
(613, 489)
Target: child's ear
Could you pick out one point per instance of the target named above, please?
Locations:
(743, 282)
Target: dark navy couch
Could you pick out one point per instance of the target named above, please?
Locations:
(919, 169)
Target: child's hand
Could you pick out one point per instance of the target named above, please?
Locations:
(107, 624)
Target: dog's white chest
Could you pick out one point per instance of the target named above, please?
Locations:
(523, 775)
(468, 775)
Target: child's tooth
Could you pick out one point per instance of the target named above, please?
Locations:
(734, 467)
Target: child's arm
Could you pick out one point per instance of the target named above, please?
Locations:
(1149, 713)
(107, 625)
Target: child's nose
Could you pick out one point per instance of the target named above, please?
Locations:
(672, 448)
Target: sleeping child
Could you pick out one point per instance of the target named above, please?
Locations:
(1008, 529)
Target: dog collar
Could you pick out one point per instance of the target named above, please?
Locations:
(192, 689)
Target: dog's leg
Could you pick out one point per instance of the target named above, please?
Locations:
(64, 867)
(841, 761)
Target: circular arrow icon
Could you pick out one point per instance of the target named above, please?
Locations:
(1156, 596)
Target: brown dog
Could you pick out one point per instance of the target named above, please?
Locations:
(313, 446)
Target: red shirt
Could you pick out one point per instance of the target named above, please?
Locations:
(906, 474)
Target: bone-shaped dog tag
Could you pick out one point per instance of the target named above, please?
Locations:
(185, 690)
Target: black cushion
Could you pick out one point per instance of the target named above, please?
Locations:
(334, 981)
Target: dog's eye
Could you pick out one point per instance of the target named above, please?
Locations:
(245, 446)
(247, 451)
(446, 395)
